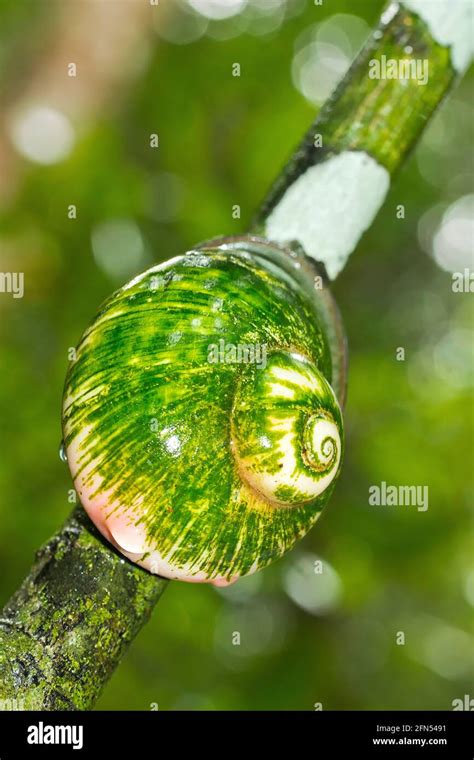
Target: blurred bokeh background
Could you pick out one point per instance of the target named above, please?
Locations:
(83, 140)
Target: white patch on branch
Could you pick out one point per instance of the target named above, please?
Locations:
(329, 207)
(450, 23)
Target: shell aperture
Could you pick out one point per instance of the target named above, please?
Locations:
(201, 431)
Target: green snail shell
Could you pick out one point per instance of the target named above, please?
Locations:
(193, 458)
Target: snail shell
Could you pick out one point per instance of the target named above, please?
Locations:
(201, 430)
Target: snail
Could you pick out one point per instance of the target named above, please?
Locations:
(204, 464)
(202, 416)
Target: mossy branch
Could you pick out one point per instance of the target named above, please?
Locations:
(338, 177)
(64, 631)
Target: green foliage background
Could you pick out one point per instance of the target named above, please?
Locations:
(409, 422)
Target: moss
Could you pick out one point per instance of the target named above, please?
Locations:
(65, 630)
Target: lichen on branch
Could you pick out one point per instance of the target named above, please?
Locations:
(64, 631)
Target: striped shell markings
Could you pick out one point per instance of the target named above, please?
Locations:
(196, 459)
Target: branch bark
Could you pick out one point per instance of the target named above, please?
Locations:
(338, 177)
(64, 631)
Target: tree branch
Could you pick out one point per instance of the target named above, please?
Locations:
(64, 631)
(338, 177)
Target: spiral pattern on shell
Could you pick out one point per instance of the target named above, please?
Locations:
(200, 427)
(286, 441)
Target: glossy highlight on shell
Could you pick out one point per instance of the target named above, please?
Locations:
(197, 465)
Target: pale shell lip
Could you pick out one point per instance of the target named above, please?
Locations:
(117, 525)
